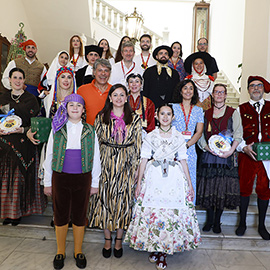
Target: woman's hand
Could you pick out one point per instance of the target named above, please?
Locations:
(93, 191)
(207, 148)
(30, 136)
(48, 191)
(17, 130)
(191, 190)
(138, 190)
(225, 154)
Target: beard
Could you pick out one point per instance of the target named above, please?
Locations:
(30, 55)
(163, 61)
(145, 48)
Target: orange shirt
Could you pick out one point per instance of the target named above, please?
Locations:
(94, 100)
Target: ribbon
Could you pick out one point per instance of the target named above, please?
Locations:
(4, 116)
(228, 139)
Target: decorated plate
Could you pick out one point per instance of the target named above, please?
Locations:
(11, 123)
(218, 144)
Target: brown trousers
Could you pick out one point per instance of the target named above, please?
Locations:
(70, 194)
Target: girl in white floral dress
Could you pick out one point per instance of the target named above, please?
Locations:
(164, 219)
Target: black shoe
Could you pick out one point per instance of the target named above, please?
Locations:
(80, 260)
(52, 223)
(207, 227)
(216, 228)
(107, 252)
(240, 231)
(264, 233)
(118, 253)
(7, 221)
(16, 221)
(58, 262)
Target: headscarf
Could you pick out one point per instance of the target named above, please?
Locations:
(203, 82)
(52, 97)
(26, 43)
(55, 65)
(61, 116)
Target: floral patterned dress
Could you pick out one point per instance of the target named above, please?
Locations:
(164, 217)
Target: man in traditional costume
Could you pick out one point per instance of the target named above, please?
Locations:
(145, 60)
(202, 46)
(126, 66)
(33, 69)
(85, 75)
(255, 116)
(160, 80)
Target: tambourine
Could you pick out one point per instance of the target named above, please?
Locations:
(219, 144)
(11, 123)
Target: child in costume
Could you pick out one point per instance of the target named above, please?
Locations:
(72, 169)
(164, 219)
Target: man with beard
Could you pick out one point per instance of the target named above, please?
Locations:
(33, 69)
(160, 80)
(145, 59)
(255, 116)
(126, 66)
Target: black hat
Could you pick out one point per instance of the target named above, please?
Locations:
(162, 47)
(92, 48)
(206, 57)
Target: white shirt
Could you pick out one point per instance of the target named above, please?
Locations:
(10, 66)
(138, 61)
(120, 73)
(74, 132)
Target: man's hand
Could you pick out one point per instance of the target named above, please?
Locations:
(248, 150)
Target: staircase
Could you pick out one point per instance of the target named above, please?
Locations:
(233, 95)
(38, 227)
(110, 22)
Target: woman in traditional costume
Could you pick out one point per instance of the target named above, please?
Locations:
(77, 59)
(21, 193)
(197, 64)
(119, 133)
(164, 219)
(141, 105)
(217, 181)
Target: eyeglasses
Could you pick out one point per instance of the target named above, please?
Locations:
(202, 44)
(218, 92)
(253, 86)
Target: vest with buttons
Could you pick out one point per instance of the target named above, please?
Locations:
(32, 71)
(253, 122)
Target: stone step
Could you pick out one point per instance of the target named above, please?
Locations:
(33, 228)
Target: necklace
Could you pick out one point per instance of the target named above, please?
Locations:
(219, 107)
(17, 98)
(165, 131)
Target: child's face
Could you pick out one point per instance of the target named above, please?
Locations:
(74, 110)
(165, 116)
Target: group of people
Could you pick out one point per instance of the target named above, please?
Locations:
(122, 155)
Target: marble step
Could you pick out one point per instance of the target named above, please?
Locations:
(33, 228)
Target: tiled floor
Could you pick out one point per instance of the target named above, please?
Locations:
(34, 247)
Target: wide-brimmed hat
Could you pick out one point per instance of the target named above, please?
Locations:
(92, 48)
(162, 47)
(266, 84)
(206, 57)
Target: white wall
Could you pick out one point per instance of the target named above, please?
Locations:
(12, 13)
(226, 36)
